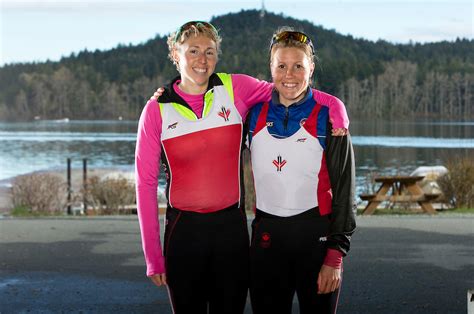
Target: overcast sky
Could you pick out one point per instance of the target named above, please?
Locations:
(34, 30)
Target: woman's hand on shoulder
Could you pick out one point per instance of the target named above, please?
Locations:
(158, 93)
(339, 132)
(159, 279)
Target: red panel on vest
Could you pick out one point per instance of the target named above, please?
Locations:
(204, 167)
(324, 189)
(262, 119)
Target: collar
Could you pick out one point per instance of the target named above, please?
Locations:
(276, 98)
(170, 95)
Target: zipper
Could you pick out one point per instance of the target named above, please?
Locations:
(285, 121)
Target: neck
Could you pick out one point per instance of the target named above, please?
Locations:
(192, 89)
(288, 102)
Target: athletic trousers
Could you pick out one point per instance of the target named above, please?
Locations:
(207, 261)
(286, 255)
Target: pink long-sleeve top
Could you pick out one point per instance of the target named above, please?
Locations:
(248, 91)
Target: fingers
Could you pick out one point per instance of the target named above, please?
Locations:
(329, 279)
(339, 132)
(159, 279)
(324, 286)
(157, 94)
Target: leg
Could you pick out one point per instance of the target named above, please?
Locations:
(310, 257)
(229, 272)
(372, 205)
(271, 275)
(186, 260)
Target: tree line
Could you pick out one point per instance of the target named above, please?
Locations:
(377, 79)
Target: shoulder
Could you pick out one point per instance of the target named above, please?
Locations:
(152, 106)
(255, 111)
(253, 115)
(244, 80)
(151, 111)
(326, 99)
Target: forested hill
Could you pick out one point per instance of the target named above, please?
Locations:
(376, 79)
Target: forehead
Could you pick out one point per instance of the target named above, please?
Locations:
(199, 41)
(289, 54)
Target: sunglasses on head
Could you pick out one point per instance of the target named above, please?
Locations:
(289, 35)
(188, 25)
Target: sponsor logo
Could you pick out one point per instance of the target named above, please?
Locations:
(269, 124)
(265, 240)
(279, 163)
(323, 239)
(172, 126)
(224, 113)
(301, 140)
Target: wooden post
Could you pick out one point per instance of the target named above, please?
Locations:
(84, 184)
(69, 189)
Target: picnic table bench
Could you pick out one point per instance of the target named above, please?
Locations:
(396, 189)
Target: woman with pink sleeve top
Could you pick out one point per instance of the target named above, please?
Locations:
(195, 129)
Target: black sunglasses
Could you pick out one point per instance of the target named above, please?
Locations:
(296, 36)
(187, 25)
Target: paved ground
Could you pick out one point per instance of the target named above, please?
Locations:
(406, 264)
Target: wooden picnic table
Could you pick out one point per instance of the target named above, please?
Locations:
(402, 189)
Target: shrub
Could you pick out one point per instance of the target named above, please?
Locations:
(39, 193)
(458, 184)
(110, 196)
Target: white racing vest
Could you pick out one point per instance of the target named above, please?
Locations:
(203, 155)
(286, 170)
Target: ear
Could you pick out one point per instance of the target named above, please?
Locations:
(175, 55)
(311, 67)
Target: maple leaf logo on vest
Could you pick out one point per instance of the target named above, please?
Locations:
(224, 113)
(279, 163)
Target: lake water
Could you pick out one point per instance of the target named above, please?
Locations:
(380, 147)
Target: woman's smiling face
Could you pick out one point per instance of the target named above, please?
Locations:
(197, 59)
(291, 72)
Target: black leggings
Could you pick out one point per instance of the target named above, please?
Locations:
(286, 255)
(207, 258)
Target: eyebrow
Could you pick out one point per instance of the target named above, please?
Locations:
(196, 46)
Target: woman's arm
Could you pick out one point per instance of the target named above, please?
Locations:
(147, 157)
(249, 91)
(341, 170)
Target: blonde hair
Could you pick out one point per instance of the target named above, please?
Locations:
(195, 29)
(291, 43)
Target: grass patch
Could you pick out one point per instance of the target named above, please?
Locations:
(459, 210)
(415, 211)
(24, 211)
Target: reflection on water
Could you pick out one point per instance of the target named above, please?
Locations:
(381, 147)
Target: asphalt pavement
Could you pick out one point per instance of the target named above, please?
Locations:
(397, 264)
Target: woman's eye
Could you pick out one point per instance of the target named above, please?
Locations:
(299, 66)
(193, 51)
(281, 66)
